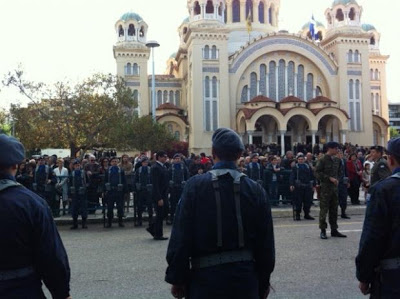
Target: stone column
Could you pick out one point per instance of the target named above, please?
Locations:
(314, 134)
(216, 11)
(203, 10)
(229, 12)
(343, 133)
(250, 133)
(282, 142)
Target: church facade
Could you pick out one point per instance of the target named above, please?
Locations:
(270, 86)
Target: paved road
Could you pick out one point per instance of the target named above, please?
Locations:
(126, 263)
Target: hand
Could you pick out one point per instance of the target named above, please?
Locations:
(334, 181)
(160, 203)
(89, 173)
(178, 291)
(200, 171)
(48, 181)
(291, 188)
(364, 288)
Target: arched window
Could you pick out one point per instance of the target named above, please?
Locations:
(350, 56)
(207, 52)
(177, 135)
(339, 15)
(318, 91)
(373, 102)
(371, 74)
(376, 74)
(235, 11)
(129, 69)
(210, 7)
(249, 9)
(358, 90)
(141, 32)
(159, 98)
(253, 85)
(178, 98)
(121, 31)
(352, 14)
(135, 69)
(207, 87)
(261, 8)
(270, 15)
(372, 41)
(351, 90)
(165, 97)
(244, 98)
(310, 85)
(171, 97)
(214, 52)
(282, 79)
(272, 80)
(214, 87)
(131, 30)
(170, 128)
(300, 82)
(220, 9)
(377, 104)
(290, 77)
(356, 56)
(197, 8)
(263, 79)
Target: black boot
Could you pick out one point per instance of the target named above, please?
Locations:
(308, 217)
(120, 222)
(75, 224)
(84, 226)
(109, 223)
(323, 234)
(335, 233)
(344, 215)
(298, 217)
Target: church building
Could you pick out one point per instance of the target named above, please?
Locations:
(270, 85)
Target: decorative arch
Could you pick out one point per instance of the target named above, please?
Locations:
(196, 8)
(267, 111)
(168, 118)
(305, 113)
(131, 30)
(241, 123)
(335, 112)
(339, 15)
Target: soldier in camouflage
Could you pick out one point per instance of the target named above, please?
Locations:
(381, 169)
(328, 171)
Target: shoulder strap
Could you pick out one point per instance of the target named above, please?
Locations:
(396, 175)
(5, 184)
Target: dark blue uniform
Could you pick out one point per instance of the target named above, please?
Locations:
(45, 190)
(159, 178)
(255, 171)
(303, 180)
(343, 182)
(142, 186)
(380, 240)
(114, 185)
(31, 247)
(78, 193)
(196, 235)
(178, 175)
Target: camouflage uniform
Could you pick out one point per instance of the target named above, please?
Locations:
(328, 167)
(380, 171)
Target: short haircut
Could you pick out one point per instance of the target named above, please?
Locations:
(160, 154)
(378, 148)
(226, 155)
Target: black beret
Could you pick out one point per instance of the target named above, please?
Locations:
(11, 151)
(332, 144)
(254, 156)
(76, 161)
(227, 140)
(177, 156)
(394, 147)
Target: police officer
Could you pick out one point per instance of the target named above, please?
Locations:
(222, 242)
(92, 170)
(78, 194)
(254, 169)
(343, 186)
(380, 170)
(31, 249)
(302, 183)
(178, 175)
(378, 259)
(114, 186)
(328, 171)
(143, 186)
(159, 178)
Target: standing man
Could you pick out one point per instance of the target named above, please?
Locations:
(92, 170)
(254, 169)
(178, 175)
(328, 171)
(78, 192)
(159, 178)
(31, 249)
(222, 242)
(378, 260)
(343, 186)
(114, 186)
(381, 169)
(142, 186)
(302, 183)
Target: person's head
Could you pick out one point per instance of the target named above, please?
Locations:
(274, 160)
(114, 161)
(340, 154)
(105, 162)
(393, 153)
(125, 158)
(300, 159)
(46, 159)
(197, 160)
(241, 162)
(177, 158)
(254, 158)
(12, 153)
(289, 155)
(202, 155)
(332, 148)
(226, 145)
(41, 161)
(145, 162)
(353, 157)
(309, 157)
(376, 152)
(367, 166)
(77, 164)
(161, 156)
(92, 160)
(60, 162)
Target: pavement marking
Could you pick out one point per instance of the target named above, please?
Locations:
(315, 224)
(351, 231)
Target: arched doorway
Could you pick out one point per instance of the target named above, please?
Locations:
(329, 129)
(265, 131)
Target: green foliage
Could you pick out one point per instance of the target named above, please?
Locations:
(5, 127)
(394, 133)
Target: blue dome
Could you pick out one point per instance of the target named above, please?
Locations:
(131, 16)
(344, 2)
(368, 27)
(186, 20)
(173, 55)
(307, 25)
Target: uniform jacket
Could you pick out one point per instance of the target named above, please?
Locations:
(380, 238)
(178, 173)
(255, 171)
(304, 174)
(160, 180)
(142, 177)
(29, 237)
(328, 167)
(115, 175)
(379, 171)
(194, 233)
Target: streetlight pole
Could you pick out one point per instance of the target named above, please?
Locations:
(153, 44)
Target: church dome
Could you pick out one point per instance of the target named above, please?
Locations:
(131, 16)
(186, 20)
(344, 2)
(368, 27)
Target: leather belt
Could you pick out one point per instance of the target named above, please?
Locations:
(17, 273)
(222, 258)
(390, 264)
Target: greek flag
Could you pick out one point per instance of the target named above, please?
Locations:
(312, 28)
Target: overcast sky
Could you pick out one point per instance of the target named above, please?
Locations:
(69, 40)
